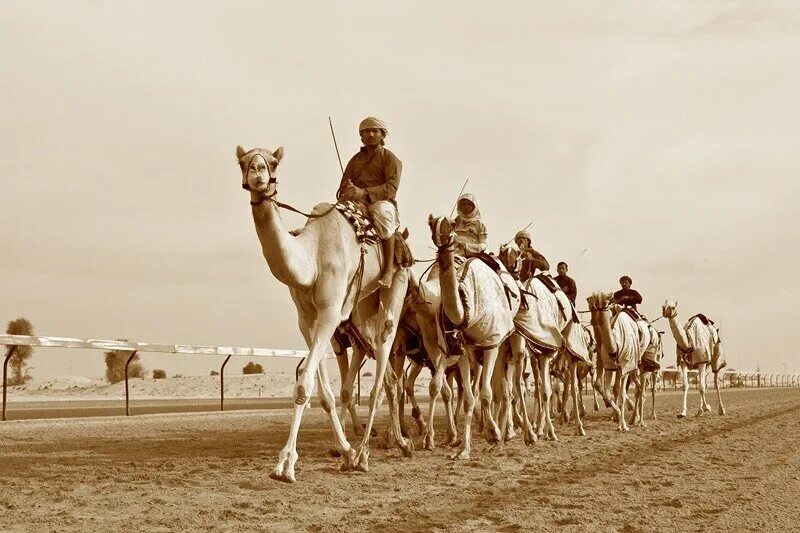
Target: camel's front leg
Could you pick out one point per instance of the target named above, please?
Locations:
(653, 407)
(576, 390)
(547, 392)
(434, 389)
(348, 401)
(410, 383)
(719, 395)
(518, 353)
(319, 340)
(701, 381)
(622, 398)
(641, 391)
(469, 408)
(491, 429)
(685, 381)
(447, 397)
(595, 381)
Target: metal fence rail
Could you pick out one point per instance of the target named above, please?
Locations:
(13, 341)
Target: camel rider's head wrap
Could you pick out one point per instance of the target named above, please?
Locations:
(469, 214)
(523, 234)
(372, 122)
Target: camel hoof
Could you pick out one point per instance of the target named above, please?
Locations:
(422, 428)
(682, 414)
(404, 433)
(460, 456)
(493, 436)
(361, 462)
(529, 438)
(348, 460)
(277, 475)
(427, 442)
(721, 411)
(333, 452)
(652, 417)
(581, 432)
(454, 441)
(407, 447)
(510, 435)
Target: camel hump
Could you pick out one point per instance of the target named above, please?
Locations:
(702, 318)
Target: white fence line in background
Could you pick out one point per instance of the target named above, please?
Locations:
(13, 341)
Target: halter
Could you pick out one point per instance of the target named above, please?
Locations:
(272, 180)
(448, 246)
(673, 315)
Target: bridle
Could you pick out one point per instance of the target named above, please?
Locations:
(271, 181)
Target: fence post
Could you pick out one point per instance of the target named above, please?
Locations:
(222, 383)
(9, 354)
(127, 363)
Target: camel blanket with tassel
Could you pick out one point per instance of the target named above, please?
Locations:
(489, 319)
(544, 325)
(705, 343)
(627, 335)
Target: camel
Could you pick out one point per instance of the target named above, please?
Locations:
(330, 277)
(620, 348)
(584, 371)
(546, 325)
(698, 346)
(482, 304)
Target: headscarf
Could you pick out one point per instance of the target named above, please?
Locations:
(372, 122)
(468, 217)
(525, 235)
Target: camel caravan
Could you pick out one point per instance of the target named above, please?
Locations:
(475, 319)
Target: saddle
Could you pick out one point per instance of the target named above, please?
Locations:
(497, 267)
(554, 287)
(703, 318)
(358, 217)
(633, 313)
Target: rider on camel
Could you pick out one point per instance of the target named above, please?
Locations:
(372, 177)
(627, 297)
(470, 232)
(531, 259)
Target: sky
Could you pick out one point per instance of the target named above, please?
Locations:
(660, 137)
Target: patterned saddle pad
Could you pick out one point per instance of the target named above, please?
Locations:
(362, 225)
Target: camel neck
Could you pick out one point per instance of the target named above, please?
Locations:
(286, 257)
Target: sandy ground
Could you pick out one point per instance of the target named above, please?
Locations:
(210, 471)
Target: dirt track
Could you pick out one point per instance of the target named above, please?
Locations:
(210, 472)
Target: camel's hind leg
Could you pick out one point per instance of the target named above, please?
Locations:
(519, 358)
(653, 406)
(348, 401)
(391, 304)
(702, 370)
(491, 429)
(719, 394)
(469, 408)
(622, 399)
(410, 382)
(447, 398)
(576, 391)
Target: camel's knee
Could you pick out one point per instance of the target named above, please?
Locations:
(346, 396)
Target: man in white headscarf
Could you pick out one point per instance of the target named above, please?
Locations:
(470, 231)
(372, 177)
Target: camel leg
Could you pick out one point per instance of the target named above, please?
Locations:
(469, 408)
(518, 353)
(507, 393)
(719, 394)
(595, 380)
(653, 407)
(398, 361)
(566, 375)
(391, 303)
(685, 381)
(640, 399)
(576, 391)
(547, 392)
(348, 402)
(701, 379)
(491, 429)
(434, 388)
(320, 338)
(477, 376)
(622, 396)
(416, 413)
(447, 397)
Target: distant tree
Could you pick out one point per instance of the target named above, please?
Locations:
(177, 376)
(19, 360)
(214, 373)
(252, 368)
(115, 365)
(159, 374)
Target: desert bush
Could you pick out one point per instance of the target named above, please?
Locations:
(159, 374)
(115, 365)
(19, 360)
(214, 373)
(252, 368)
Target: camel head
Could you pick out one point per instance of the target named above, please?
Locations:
(511, 258)
(258, 169)
(669, 309)
(441, 231)
(600, 301)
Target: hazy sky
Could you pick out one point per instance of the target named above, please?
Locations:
(663, 137)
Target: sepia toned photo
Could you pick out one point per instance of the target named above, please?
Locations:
(419, 266)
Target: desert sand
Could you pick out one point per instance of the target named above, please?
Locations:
(210, 471)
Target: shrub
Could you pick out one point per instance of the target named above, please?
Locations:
(115, 365)
(19, 360)
(252, 368)
(214, 373)
(159, 374)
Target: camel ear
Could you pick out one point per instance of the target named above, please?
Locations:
(278, 154)
(430, 219)
(240, 153)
